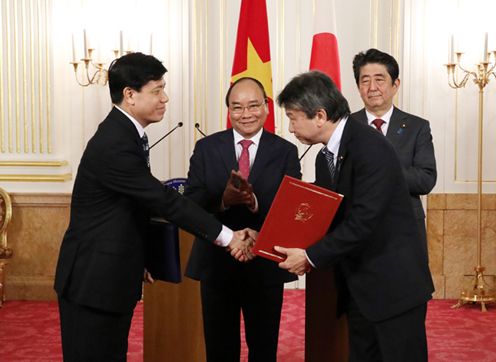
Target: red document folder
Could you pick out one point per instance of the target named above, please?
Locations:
(300, 215)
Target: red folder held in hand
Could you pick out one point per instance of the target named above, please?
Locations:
(300, 215)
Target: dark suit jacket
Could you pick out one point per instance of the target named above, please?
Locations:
(101, 259)
(411, 138)
(374, 241)
(210, 166)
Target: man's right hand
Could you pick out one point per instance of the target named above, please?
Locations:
(241, 245)
(238, 191)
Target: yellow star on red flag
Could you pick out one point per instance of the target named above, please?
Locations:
(252, 52)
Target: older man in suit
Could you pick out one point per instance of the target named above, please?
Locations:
(374, 243)
(376, 75)
(101, 263)
(235, 174)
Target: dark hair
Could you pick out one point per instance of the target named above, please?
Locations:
(312, 91)
(375, 56)
(257, 82)
(132, 70)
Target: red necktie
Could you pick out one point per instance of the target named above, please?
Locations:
(244, 158)
(378, 124)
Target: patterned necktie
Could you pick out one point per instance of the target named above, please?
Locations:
(378, 124)
(244, 158)
(330, 161)
(146, 148)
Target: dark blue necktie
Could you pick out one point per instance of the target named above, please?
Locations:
(146, 149)
(330, 161)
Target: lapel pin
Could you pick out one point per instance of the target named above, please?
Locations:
(400, 130)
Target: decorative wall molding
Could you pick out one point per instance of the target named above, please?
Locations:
(25, 77)
(41, 199)
(36, 178)
(33, 163)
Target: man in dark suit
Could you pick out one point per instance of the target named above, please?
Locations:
(376, 75)
(101, 263)
(373, 243)
(239, 190)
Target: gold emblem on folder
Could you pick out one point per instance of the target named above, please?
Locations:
(303, 212)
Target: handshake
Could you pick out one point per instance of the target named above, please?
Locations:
(241, 245)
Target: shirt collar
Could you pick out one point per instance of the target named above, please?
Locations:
(139, 127)
(335, 140)
(255, 139)
(386, 117)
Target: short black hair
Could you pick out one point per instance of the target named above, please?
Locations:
(375, 56)
(311, 91)
(257, 82)
(133, 70)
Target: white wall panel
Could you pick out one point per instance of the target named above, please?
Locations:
(453, 113)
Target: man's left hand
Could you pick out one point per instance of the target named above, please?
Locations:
(296, 261)
(238, 191)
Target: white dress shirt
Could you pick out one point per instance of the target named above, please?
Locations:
(386, 117)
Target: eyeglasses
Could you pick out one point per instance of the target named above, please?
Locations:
(252, 108)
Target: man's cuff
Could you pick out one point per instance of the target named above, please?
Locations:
(254, 209)
(222, 206)
(312, 264)
(225, 237)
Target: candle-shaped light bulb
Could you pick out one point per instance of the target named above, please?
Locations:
(121, 44)
(451, 49)
(85, 44)
(485, 47)
(73, 50)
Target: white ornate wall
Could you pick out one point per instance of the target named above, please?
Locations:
(46, 118)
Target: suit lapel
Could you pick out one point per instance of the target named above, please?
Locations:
(343, 148)
(263, 156)
(120, 118)
(228, 154)
(398, 125)
(361, 116)
(227, 151)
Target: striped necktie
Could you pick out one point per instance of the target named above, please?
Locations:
(146, 148)
(330, 161)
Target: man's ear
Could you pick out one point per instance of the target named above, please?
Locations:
(321, 117)
(396, 84)
(266, 105)
(128, 93)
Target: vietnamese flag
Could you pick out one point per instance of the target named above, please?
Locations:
(252, 52)
(325, 54)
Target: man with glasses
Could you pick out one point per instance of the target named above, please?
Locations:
(235, 174)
